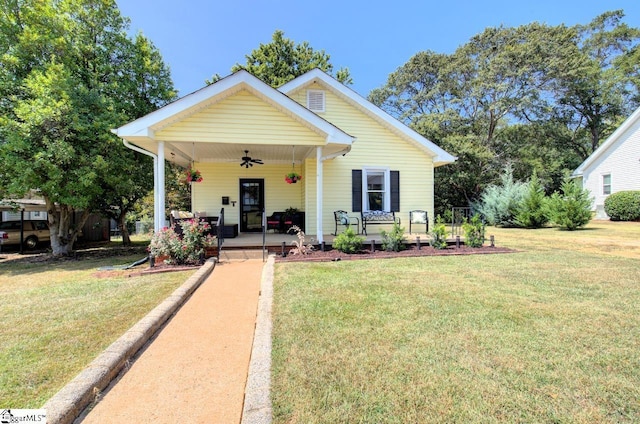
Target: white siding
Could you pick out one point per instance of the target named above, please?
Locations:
(622, 162)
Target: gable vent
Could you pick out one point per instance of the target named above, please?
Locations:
(315, 100)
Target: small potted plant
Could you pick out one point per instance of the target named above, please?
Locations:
(292, 177)
(193, 176)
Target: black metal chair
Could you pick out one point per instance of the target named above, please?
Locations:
(342, 218)
(419, 217)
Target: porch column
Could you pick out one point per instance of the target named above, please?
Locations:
(159, 189)
(319, 196)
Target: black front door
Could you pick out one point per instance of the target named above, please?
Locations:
(251, 204)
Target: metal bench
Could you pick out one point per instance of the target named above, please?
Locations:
(377, 217)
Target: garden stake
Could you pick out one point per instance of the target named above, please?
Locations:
(284, 255)
(373, 246)
(322, 246)
(493, 241)
(457, 242)
(418, 242)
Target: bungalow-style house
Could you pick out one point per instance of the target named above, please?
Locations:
(245, 137)
(614, 166)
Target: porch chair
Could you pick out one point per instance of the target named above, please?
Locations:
(419, 217)
(342, 218)
(274, 222)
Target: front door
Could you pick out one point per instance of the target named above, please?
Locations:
(251, 204)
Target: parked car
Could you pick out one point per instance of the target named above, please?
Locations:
(35, 232)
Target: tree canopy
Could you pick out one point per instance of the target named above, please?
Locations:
(282, 60)
(536, 97)
(68, 74)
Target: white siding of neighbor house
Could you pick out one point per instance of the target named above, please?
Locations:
(622, 161)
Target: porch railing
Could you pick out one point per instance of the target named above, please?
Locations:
(220, 232)
(458, 216)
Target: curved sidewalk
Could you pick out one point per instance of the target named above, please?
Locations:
(195, 370)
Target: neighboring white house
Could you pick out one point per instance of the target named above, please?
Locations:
(614, 166)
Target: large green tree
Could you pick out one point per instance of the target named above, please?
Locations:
(536, 96)
(68, 75)
(282, 60)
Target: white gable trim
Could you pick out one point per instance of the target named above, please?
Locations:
(610, 141)
(144, 126)
(440, 156)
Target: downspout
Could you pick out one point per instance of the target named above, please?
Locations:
(158, 216)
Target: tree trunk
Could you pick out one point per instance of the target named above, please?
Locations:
(122, 224)
(63, 231)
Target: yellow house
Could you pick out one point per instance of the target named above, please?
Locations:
(245, 137)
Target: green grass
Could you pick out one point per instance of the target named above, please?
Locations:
(549, 334)
(56, 317)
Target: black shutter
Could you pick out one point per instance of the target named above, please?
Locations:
(356, 190)
(395, 191)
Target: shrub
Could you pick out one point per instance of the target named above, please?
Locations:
(499, 203)
(394, 240)
(439, 234)
(186, 249)
(473, 231)
(348, 242)
(571, 209)
(531, 212)
(623, 206)
(301, 248)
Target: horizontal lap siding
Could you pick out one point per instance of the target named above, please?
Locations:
(375, 146)
(223, 179)
(622, 161)
(241, 118)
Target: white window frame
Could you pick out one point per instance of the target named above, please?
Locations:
(321, 93)
(386, 200)
(606, 186)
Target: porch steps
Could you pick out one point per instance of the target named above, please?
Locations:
(240, 254)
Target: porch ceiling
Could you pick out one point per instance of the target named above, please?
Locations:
(183, 153)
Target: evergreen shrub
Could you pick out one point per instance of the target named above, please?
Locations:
(623, 206)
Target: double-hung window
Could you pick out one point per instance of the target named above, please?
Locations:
(606, 184)
(376, 193)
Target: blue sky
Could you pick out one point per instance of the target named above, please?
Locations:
(199, 38)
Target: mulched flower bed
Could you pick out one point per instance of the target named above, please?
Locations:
(335, 255)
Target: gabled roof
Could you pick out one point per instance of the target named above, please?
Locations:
(608, 143)
(144, 127)
(440, 156)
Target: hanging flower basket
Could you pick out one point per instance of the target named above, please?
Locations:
(193, 176)
(292, 178)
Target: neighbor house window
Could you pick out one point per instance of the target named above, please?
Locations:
(606, 184)
(315, 100)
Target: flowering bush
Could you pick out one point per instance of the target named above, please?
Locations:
(292, 177)
(193, 175)
(187, 248)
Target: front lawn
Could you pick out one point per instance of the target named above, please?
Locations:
(548, 334)
(57, 316)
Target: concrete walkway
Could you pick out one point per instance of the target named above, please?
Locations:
(195, 370)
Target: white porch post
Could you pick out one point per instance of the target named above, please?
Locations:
(159, 189)
(319, 196)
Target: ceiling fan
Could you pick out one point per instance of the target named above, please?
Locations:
(247, 161)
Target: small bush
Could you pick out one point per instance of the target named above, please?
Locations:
(394, 240)
(571, 209)
(531, 212)
(439, 234)
(473, 231)
(188, 249)
(499, 203)
(301, 246)
(623, 206)
(348, 242)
